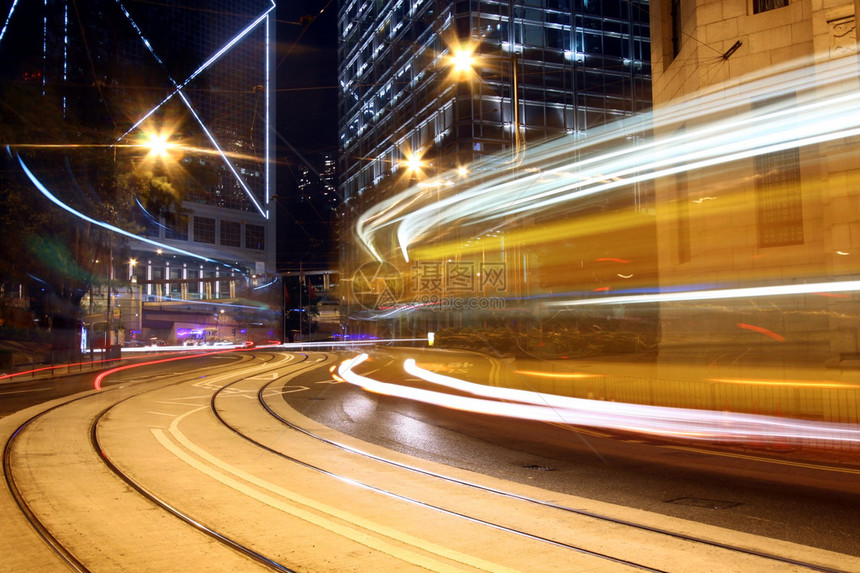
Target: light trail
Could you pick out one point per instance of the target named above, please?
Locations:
(788, 383)
(559, 375)
(563, 173)
(691, 424)
(186, 149)
(51, 369)
(715, 294)
(8, 18)
(53, 198)
(179, 87)
(98, 381)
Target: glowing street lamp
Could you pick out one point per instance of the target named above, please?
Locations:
(413, 163)
(159, 145)
(463, 61)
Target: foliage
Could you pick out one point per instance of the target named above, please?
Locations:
(57, 256)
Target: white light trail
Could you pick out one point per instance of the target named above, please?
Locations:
(563, 172)
(53, 198)
(9, 17)
(268, 95)
(716, 294)
(692, 424)
(263, 18)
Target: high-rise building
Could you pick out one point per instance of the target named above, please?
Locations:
(460, 93)
(545, 68)
(318, 185)
(191, 85)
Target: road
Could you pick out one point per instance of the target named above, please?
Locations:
(769, 492)
(288, 469)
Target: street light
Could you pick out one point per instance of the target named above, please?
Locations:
(413, 162)
(159, 145)
(463, 60)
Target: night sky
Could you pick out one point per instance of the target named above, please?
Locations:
(307, 77)
(306, 123)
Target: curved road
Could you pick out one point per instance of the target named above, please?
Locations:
(260, 460)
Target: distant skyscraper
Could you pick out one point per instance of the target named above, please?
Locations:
(318, 186)
(328, 178)
(570, 65)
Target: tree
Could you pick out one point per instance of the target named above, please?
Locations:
(55, 254)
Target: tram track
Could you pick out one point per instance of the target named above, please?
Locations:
(46, 532)
(270, 431)
(550, 506)
(394, 495)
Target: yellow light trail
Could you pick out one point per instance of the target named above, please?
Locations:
(562, 375)
(789, 383)
(146, 147)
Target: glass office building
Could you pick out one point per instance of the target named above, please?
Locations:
(569, 65)
(419, 133)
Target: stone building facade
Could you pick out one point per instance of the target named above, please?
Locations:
(784, 219)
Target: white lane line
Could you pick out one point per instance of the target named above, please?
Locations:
(230, 476)
(6, 393)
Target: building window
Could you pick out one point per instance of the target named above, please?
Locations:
(193, 284)
(682, 200)
(255, 237)
(204, 230)
(677, 27)
(231, 234)
(779, 207)
(176, 227)
(760, 6)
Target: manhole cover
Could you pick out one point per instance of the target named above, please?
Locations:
(704, 503)
(539, 468)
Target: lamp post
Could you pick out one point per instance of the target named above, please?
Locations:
(138, 289)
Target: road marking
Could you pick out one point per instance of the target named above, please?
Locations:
(285, 390)
(25, 391)
(230, 475)
(797, 464)
(264, 376)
